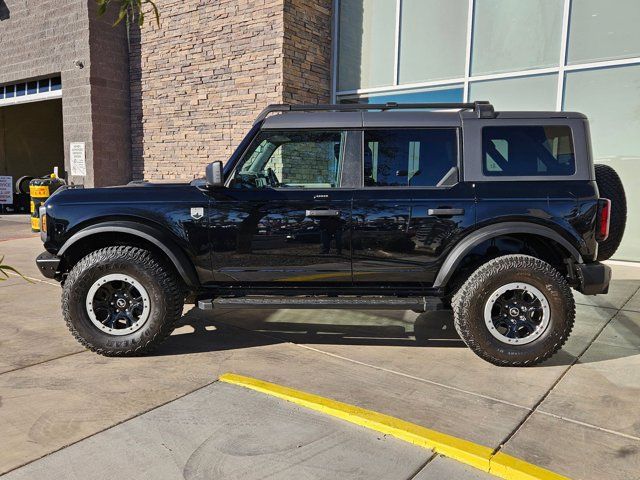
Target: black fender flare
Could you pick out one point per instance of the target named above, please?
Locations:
(475, 238)
(154, 235)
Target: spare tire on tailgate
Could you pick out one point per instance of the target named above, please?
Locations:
(610, 186)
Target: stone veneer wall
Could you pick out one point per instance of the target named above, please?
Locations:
(199, 79)
(307, 51)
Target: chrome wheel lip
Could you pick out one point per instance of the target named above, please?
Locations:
(118, 277)
(544, 322)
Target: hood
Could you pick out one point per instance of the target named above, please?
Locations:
(131, 193)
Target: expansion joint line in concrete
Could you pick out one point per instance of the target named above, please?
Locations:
(423, 466)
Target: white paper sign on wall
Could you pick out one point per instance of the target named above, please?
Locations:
(78, 160)
(6, 190)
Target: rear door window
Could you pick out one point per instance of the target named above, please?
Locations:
(409, 158)
(521, 151)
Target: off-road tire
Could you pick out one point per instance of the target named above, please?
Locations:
(469, 302)
(610, 186)
(165, 291)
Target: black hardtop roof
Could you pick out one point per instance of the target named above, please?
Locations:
(390, 115)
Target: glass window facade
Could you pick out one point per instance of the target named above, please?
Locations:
(453, 93)
(602, 30)
(614, 120)
(506, 93)
(367, 43)
(510, 36)
(446, 24)
(581, 55)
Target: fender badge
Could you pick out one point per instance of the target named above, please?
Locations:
(197, 213)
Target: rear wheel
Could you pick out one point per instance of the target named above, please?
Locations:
(514, 310)
(610, 186)
(121, 301)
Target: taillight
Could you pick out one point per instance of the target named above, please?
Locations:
(604, 218)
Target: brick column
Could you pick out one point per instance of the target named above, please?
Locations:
(110, 97)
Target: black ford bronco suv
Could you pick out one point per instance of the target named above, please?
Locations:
(495, 215)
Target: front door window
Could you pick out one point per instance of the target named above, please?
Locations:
(286, 159)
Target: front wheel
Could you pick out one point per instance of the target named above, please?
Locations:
(121, 301)
(514, 310)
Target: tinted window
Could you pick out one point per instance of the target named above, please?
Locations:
(416, 158)
(305, 159)
(527, 151)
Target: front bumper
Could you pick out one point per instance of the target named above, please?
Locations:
(592, 278)
(49, 264)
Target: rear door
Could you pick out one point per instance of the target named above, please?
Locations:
(411, 208)
(285, 214)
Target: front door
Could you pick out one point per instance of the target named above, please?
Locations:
(412, 207)
(284, 216)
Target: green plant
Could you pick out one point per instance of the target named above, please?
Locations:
(131, 11)
(6, 268)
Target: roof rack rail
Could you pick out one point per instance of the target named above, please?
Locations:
(482, 108)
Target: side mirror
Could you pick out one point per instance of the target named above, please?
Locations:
(213, 174)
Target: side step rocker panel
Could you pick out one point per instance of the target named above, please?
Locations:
(348, 303)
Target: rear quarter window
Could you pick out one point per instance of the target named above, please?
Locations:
(521, 151)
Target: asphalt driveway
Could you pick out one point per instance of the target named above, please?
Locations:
(576, 414)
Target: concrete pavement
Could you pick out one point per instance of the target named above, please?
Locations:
(576, 414)
(224, 431)
(15, 226)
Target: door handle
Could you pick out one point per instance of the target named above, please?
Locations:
(445, 212)
(323, 213)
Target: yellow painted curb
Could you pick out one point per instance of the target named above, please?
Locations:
(506, 466)
(478, 456)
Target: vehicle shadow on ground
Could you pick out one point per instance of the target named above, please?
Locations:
(195, 333)
(199, 331)
(433, 329)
